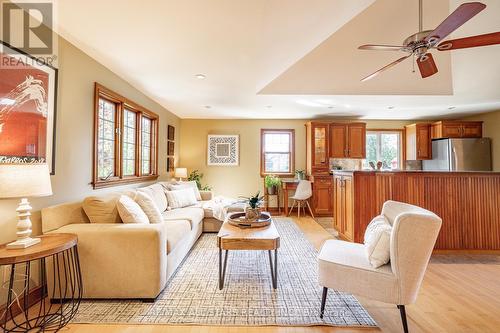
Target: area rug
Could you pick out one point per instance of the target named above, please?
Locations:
(192, 295)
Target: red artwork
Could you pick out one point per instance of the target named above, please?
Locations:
(26, 111)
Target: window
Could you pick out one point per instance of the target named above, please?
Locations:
(125, 140)
(277, 151)
(384, 146)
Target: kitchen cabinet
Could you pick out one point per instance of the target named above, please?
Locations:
(322, 196)
(418, 142)
(457, 129)
(317, 148)
(344, 206)
(347, 140)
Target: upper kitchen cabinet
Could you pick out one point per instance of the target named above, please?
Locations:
(457, 129)
(347, 140)
(317, 134)
(418, 142)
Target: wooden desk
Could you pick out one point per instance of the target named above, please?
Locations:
(288, 185)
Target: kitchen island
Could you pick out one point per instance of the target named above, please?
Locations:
(468, 203)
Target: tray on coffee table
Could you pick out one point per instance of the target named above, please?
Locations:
(239, 220)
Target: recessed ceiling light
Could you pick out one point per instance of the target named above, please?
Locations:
(269, 106)
(208, 107)
(200, 76)
(390, 107)
(347, 105)
(451, 107)
(331, 107)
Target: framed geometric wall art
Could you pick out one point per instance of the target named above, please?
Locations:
(223, 150)
(27, 108)
(170, 132)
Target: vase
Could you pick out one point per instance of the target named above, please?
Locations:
(252, 214)
(271, 190)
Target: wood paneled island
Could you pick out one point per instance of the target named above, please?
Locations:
(468, 203)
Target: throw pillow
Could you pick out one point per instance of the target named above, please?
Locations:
(130, 211)
(102, 209)
(183, 185)
(156, 193)
(378, 241)
(149, 207)
(181, 198)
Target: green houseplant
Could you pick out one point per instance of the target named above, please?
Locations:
(300, 174)
(272, 183)
(252, 212)
(196, 176)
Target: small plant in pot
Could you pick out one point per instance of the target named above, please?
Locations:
(300, 174)
(252, 212)
(272, 183)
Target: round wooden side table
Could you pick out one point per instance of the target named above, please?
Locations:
(59, 294)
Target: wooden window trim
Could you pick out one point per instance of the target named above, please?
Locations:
(123, 103)
(402, 133)
(264, 131)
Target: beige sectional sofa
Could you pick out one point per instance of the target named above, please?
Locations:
(127, 260)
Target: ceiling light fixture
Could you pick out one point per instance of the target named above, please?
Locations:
(200, 76)
(331, 107)
(390, 107)
(269, 106)
(347, 105)
(451, 107)
(208, 107)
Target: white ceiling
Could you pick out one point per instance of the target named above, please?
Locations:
(284, 58)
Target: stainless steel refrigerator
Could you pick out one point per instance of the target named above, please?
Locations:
(459, 155)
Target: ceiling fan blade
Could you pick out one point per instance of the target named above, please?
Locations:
(426, 65)
(381, 47)
(461, 15)
(386, 67)
(473, 41)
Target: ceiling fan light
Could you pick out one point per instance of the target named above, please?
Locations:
(444, 46)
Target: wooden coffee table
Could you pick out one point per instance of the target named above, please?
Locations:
(231, 237)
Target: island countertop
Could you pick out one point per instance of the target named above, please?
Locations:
(467, 202)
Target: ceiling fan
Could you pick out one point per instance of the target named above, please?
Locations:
(420, 43)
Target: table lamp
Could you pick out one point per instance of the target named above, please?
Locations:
(22, 181)
(181, 173)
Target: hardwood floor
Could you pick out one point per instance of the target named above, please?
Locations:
(460, 293)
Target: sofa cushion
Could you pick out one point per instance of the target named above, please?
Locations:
(102, 209)
(156, 193)
(149, 207)
(184, 185)
(378, 241)
(130, 211)
(177, 230)
(181, 198)
(192, 214)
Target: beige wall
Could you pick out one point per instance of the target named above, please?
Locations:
(243, 179)
(77, 74)
(491, 129)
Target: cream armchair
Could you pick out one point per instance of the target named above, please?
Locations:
(344, 266)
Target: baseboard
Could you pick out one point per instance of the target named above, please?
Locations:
(34, 296)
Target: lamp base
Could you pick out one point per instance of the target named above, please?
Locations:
(23, 243)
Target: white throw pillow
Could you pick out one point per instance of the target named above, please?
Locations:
(181, 198)
(149, 207)
(182, 185)
(378, 241)
(130, 211)
(156, 193)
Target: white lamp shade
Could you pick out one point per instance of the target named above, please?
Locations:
(181, 172)
(24, 180)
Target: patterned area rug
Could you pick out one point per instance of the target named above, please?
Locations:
(192, 295)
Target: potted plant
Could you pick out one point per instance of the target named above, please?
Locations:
(197, 176)
(272, 182)
(253, 210)
(300, 174)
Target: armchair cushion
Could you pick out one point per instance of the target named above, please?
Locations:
(378, 241)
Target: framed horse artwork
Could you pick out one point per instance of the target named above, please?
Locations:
(27, 108)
